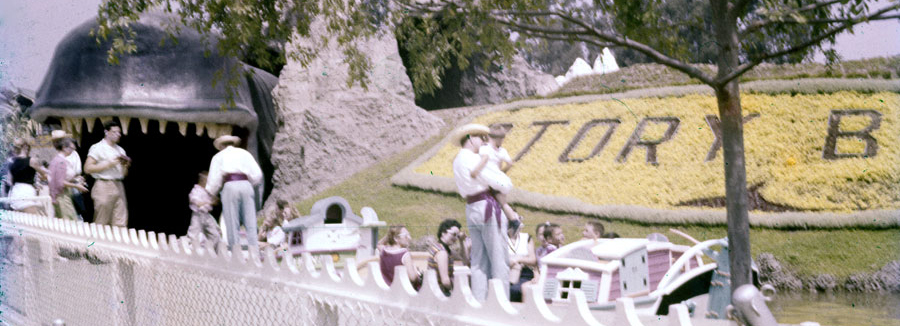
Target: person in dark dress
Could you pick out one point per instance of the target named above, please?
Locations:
(22, 170)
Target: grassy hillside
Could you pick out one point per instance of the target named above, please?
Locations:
(808, 252)
(656, 75)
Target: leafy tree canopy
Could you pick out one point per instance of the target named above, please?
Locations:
(437, 32)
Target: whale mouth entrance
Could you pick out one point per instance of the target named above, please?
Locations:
(166, 159)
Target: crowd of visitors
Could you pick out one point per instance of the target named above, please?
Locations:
(495, 246)
(231, 180)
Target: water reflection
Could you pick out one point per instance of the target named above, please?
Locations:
(838, 309)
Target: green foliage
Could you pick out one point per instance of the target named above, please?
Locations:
(434, 40)
(15, 126)
(437, 33)
(257, 31)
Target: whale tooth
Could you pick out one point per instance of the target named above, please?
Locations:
(182, 128)
(125, 121)
(77, 124)
(212, 131)
(65, 124)
(104, 120)
(90, 124)
(226, 130)
(144, 122)
(200, 127)
(162, 127)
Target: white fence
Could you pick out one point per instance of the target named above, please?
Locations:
(87, 274)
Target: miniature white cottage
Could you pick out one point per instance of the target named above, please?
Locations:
(331, 228)
(607, 269)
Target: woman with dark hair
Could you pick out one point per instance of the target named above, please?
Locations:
(62, 180)
(395, 252)
(440, 256)
(23, 170)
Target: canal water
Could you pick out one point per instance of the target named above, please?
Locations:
(837, 309)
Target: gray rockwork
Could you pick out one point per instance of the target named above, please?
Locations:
(496, 84)
(329, 131)
(771, 272)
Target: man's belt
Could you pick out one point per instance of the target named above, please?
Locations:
(492, 206)
(235, 177)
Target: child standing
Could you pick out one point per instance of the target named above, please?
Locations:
(201, 203)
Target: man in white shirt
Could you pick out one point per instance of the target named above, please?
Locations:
(108, 164)
(234, 172)
(486, 222)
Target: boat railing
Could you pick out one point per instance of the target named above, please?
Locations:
(677, 269)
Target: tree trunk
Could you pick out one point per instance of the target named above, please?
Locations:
(736, 196)
(729, 101)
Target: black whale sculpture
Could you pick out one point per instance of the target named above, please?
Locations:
(165, 98)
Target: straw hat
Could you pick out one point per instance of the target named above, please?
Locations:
(223, 141)
(469, 129)
(59, 134)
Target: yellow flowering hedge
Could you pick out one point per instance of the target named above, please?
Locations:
(784, 148)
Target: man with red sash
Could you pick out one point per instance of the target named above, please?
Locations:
(235, 173)
(486, 222)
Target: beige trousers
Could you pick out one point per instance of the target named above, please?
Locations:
(109, 203)
(64, 207)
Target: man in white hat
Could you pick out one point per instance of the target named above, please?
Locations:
(234, 172)
(108, 164)
(486, 222)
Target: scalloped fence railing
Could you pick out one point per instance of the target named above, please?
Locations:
(88, 274)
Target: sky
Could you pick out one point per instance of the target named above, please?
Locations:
(30, 30)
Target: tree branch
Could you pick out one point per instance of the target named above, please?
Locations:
(643, 48)
(568, 39)
(813, 41)
(756, 25)
(500, 16)
(538, 29)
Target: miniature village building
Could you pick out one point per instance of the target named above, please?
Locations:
(331, 228)
(608, 269)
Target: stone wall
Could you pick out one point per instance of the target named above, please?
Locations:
(328, 130)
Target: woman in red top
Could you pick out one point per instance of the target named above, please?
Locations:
(396, 253)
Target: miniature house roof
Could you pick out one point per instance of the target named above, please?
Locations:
(334, 209)
(614, 249)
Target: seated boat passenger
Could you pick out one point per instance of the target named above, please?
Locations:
(441, 257)
(522, 259)
(394, 253)
(553, 239)
(592, 230)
